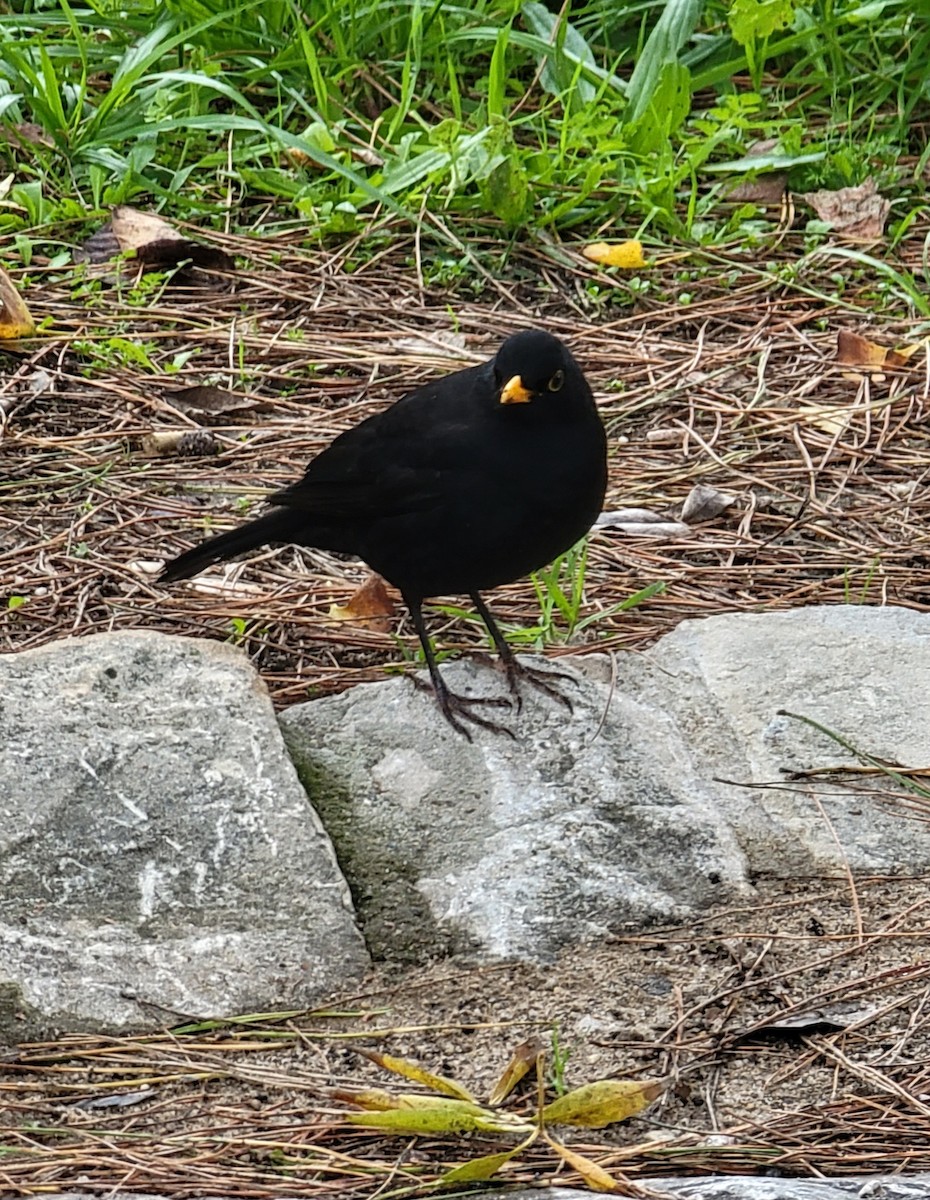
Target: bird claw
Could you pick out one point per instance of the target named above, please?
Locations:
(518, 673)
(456, 708)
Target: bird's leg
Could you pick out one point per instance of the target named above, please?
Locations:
(513, 668)
(454, 708)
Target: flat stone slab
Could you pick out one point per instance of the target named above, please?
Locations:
(663, 791)
(862, 672)
(158, 857)
(711, 1187)
(587, 824)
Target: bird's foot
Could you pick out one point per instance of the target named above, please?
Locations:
(518, 673)
(457, 709)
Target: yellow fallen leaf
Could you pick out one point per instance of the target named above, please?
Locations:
(479, 1168)
(440, 1116)
(911, 350)
(601, 1103)
(830, 420)
(412, 1070)
(622, 254)
(524, 1056)
(594, 1176)
(15, 319)
(377, 1099)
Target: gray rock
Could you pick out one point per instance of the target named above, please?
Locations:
(156, 848)
(619, 814)
(753, 1187)
(862, 672)
(590, 822)
(729, 1187)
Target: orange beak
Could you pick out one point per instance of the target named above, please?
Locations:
(513, 392)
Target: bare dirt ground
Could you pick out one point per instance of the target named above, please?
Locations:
(741, 390)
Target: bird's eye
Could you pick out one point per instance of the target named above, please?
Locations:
(555, 383)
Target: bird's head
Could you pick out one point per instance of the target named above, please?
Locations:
(533, 364)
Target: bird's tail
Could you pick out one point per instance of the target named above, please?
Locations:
(276, 526)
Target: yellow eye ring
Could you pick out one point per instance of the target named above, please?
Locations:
(555, 383)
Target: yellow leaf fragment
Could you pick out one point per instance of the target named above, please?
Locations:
(525, 1056)
(479, 1168)
(830, 420)
(440, 1116)
(489, 1164)
(909, 351)
(413, 1071)
(601, 1103)
(621, 254)
(594, 1176)
(15, 319)
(380, 1100)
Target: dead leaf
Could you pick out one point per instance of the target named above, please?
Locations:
(369, 605)
(603, 1102)
(26, 134)
(665, 436)
(380, 1100)
(831, 1019)
(854, 350)
(765, 189)
(365, 154)
(855, 212)
(908, 352)
(404, 1066)
(15, 318)
(152, 242)
(188, 443)
(628, 255)
(594, 1176)
(704, 503)
(831, 420)
(118, 1099)
(205, 400)
(640, 522)
(524, 1056)
(642, 516)
(797, 1026)
(39, 382)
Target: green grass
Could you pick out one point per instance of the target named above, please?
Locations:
(493, 118)
(560, 592)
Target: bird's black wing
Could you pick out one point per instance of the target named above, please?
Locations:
(394, 461)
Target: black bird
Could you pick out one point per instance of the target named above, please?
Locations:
(466, 483)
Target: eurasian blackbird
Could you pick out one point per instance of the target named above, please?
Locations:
(468, 482)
